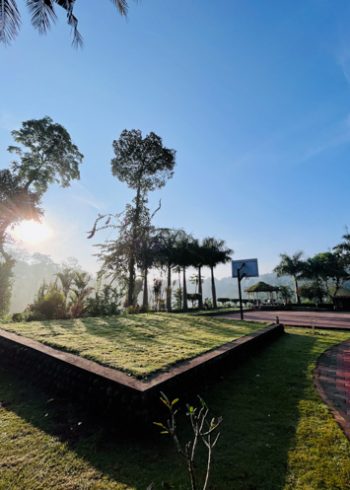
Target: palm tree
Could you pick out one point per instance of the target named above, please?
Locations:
(291, 266)
(184, 258)
(80, 292)
(66, 277)
(199, 258)
(43, 15)
(147, 253)
(167, 255)
(215, 252)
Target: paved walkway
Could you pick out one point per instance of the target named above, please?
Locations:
(332, 379)
(319, 319)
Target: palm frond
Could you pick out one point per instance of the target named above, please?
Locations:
(43, 14)
(72, 20)
(10, 20)
(122, 6)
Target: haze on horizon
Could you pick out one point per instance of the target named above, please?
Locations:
(253, 97)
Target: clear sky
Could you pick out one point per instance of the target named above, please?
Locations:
(253, 95)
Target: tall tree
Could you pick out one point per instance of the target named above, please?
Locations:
(292, 266)
(145, 165)
(46, 155)
(43, 15)
(215, 252)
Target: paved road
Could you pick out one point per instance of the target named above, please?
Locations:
(318, 319)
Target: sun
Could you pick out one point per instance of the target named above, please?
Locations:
(31, 232)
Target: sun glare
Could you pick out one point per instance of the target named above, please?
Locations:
(31, 232)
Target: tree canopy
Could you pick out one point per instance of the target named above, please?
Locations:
(46, 155)
(143, 164)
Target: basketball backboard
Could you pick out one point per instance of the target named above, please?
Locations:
(246, 268)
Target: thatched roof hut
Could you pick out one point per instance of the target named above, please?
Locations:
(341, 299)
(262, 287)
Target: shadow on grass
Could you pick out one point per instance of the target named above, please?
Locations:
(258, 401)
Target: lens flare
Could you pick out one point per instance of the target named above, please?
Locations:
(31, 232)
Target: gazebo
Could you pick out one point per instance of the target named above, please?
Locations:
(341, 299)
(262, 287)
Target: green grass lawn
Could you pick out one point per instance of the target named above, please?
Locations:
(276, 435)
(138, 344)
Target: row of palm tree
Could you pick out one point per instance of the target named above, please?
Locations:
(327, 271)
(171, 249)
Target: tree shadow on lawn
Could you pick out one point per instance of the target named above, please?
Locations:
(259, 404)
(151, 331)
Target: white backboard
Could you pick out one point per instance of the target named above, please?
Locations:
(246, 268)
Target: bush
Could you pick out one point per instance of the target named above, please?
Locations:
(105, 302)
(133, 309)
(49, 306)
(19, 317)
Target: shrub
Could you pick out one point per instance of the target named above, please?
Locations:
(19, 317)
(205, 432)
(105, 302)
(48, 306)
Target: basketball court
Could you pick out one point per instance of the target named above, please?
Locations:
(320, 319)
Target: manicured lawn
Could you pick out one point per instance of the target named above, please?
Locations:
(276, 435)
(138, 344)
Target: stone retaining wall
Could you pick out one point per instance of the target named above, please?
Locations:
(114, 393)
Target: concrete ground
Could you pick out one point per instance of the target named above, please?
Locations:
(320, 319)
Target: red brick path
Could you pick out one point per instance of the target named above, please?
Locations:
(332, 379)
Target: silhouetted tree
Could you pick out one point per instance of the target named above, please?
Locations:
(17, 203)
(46, 155)
(145, 165)
(215, 252)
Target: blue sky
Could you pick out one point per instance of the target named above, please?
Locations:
(253, 95)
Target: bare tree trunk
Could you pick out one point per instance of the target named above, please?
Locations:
(168, 291)
(145, 290)
(184, 290)
(131, 281)
(132, 260)
(297, 290)
(200, 291)
(213, 289)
